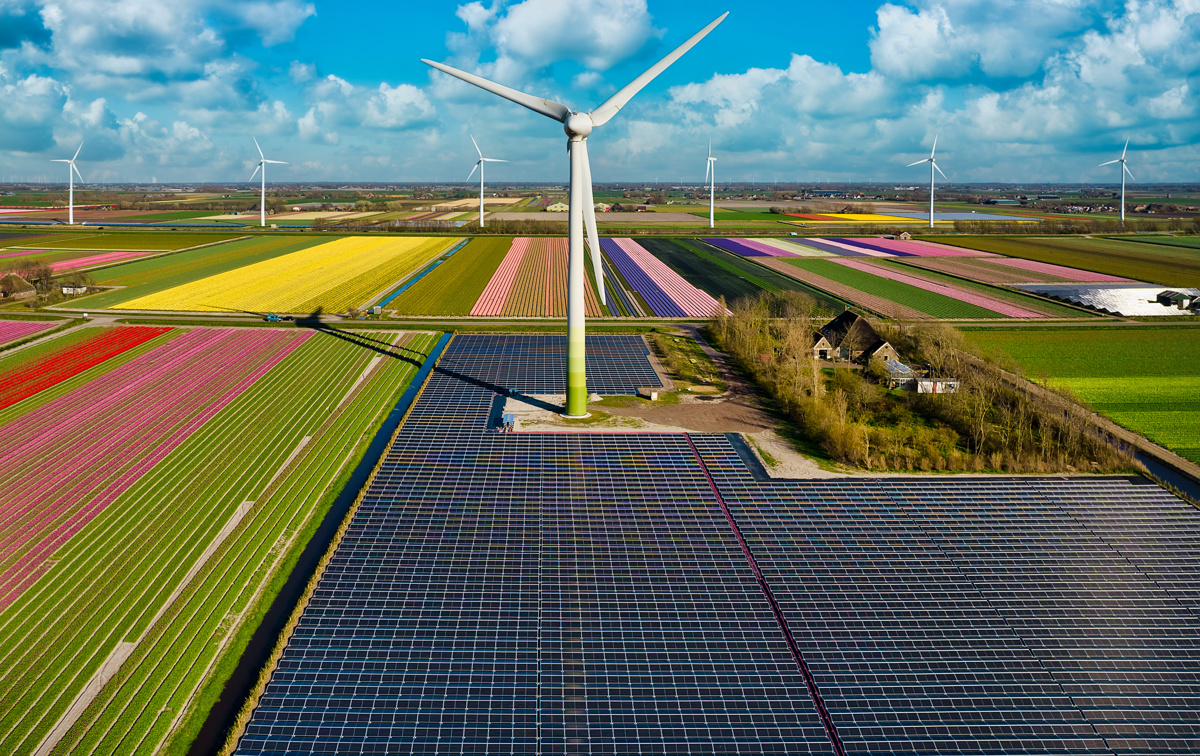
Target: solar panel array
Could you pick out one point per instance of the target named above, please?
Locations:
(584, 593)
(536, 364)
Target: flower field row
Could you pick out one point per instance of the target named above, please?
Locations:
(531, 281)
(906, 248)
(332, 277)
(495, 294)
(11, 330)
(874, 302)
(64, 462)
(42, 373)
(267, 463)
(752, 247)
(1061, 273)
(667, 292)
(91, 261)
(953, 292)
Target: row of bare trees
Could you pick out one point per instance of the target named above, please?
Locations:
(989, 424)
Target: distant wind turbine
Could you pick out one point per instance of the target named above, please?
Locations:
(1124, 170)
(262, 166)
(72, 171)
(479, 164)
(710, 173)
(582, 209)
(933, 166)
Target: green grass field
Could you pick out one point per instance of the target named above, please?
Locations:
(1138, 376)
(152, 568)
(144, 277)
(928, 302)
(153, 241)
(453, 287)
(1166, 264)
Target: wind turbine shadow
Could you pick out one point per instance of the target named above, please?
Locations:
(313, 322)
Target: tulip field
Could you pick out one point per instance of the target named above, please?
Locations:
(531, 281)
(148, 513)
(40, 374)
(668, 293)
(330, 277)
(15, 330)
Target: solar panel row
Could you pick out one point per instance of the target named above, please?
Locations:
(552, 593)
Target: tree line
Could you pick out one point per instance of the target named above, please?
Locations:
(989, 424)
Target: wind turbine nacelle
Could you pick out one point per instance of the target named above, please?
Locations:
(578, 125)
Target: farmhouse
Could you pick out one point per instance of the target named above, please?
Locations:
(851, 337)
(13, 286)
(1178, 299)
(558, 207)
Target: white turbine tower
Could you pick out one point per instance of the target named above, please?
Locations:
(710, 173)
(262, 166)
(582, 210)
(479, 165)
(1124, 170)
(72, 171)
(933, 166)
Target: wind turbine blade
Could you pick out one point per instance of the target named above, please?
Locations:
(493, 160)
(707, 169)
(710, 149)
(80, 175)
(256, 170)
(476, 145)
(260, 155)
(934, 149)
(606, 111)
(548, 108)
(939, 170)
(275, 162)
(77, 151)
(1110, 162)
(61, 160)
(922, 160)
(589, 220)
(473, 169)
(1125, 149)
(1122, 165)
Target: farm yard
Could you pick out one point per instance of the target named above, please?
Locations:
(170, 512)
(1134, 375)
(334, 276)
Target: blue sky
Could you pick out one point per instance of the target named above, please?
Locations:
(172, 90)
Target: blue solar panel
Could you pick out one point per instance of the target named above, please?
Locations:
(585, 593)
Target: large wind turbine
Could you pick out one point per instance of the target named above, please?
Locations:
(933, 166)
(262, 166)
(72, 171)
(1124, 170)
(710, 173)
(582, 210)
(479, 164)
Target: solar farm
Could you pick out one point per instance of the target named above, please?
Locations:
(648, 593)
